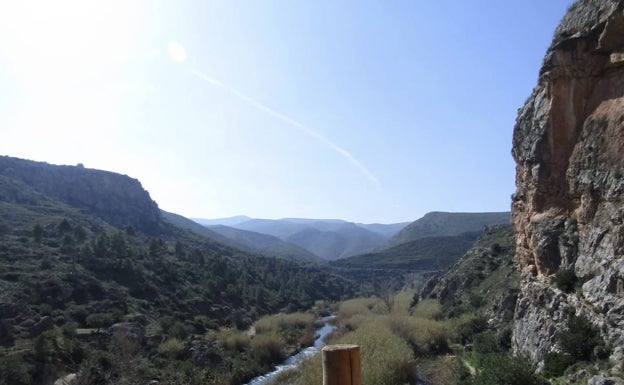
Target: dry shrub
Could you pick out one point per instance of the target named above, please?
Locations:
(268, 347)
(352, 307)
(233, 340)
(442, 370)
(172, 348)
(425, 336)
(429, 309)
(284, 321)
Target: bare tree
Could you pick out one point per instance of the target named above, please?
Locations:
(386, 294)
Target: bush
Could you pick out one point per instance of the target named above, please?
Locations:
(580, 339)
(233, 340)
(15, 370)
(468, 329)
(172, 348)
(429, 309)
(500, 369)
(267, 348)
(486, 343)
(180, 330)
(426, 337)
(566, 279)
(556, 363)
(101, 320)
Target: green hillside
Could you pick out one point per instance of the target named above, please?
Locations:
(425, 254)
(78, 280)
(442, 223)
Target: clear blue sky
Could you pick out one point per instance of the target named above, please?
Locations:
(370, 111)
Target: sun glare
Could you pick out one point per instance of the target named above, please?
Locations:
(177, 52)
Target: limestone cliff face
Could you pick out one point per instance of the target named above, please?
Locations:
(117, 199)
(568, 210)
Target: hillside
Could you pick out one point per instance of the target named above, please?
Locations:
(442, 223)
(74, 285)
(425, 254)
(386, 230)
(485, 279)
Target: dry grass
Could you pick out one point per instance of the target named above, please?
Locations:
(275, 323)
(388, 343)
(425, 336)
(268, 347)
(429, 309)
(441, 370)
(386, 358)
(233, 340)
(402, 301)
(172, 348)
(348, 309)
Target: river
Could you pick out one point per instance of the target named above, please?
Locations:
(294, 360)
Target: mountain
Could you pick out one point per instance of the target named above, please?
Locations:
(280, 228)
(386, 230)
(442, 223)
(188, 224)
(327, 238)
(429, 254)
(339, 241)
(568, 143)
(265, 244)
(124, 202)
(230, 221)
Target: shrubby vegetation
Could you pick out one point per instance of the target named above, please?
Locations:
(117, 306)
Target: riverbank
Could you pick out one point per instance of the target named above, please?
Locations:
(297, 359)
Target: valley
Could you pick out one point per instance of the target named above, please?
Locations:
(100, 285)
(86, 289)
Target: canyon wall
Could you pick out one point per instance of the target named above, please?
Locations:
(568, 210)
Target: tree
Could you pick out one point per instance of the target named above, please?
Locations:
(63, 227)
(386, 294)
(413, 303)
(37, 233)
(4, 230)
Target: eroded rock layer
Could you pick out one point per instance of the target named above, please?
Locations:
(568, 210)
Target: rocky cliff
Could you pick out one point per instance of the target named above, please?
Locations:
(117, 199)
(568, 210)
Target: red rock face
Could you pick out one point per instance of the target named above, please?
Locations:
(568, 210)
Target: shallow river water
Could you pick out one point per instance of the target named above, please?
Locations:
(294, 361)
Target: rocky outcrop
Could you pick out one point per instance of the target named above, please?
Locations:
(568, 210)
(117, 199)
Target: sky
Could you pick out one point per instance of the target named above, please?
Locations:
(368, 111)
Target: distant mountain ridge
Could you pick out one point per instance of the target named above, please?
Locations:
(229, 221)
(265, 244)
(328, 238)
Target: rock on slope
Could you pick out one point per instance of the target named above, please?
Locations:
(568, 210)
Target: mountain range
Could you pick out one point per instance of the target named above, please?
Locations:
(428, 244)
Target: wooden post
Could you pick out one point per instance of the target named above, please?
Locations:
(341, 365)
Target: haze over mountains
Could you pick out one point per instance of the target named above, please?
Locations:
(333, 239)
